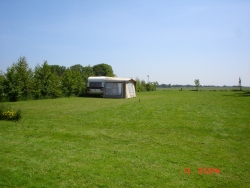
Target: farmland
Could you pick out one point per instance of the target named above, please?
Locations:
(159, 139)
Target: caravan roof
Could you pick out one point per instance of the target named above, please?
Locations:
(105, 78)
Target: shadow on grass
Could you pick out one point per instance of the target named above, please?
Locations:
(243, 94)
(239, 94)
(91, 96)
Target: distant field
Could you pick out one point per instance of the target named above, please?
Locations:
(205, 88)
(159, 139)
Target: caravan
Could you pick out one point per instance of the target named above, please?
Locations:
(110, 87)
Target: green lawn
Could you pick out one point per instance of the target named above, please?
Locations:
(142, 142)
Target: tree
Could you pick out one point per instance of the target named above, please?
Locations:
(2, 80)
(47, 83)
(138, 84)
(77, 67)
(143, 85)
(197, 83)
(86, 73)
(18, 82)
(103, 70)
(78, 84)
(72, 82)
(240, 84)
(59, 70)
(67, 82)
(151, 86)
(155, 84)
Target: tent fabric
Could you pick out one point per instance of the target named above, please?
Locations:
(131, 87)
(130, 90)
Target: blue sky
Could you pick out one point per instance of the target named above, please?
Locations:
(174, 42)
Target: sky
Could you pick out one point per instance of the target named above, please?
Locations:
(174, 42)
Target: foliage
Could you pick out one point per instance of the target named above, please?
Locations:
(138, 84)
(67, 82)
(2, 86)
(103, 70)
(59, 70)
(141, 85)
(77, 67)
(151, 86)
(85, 72)
(165, 86)
(6, 113)
(47, 81)
(72, 82)
(197, 83)
(18, 80)
(78, 84)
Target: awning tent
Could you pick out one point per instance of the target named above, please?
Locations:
(113, 87)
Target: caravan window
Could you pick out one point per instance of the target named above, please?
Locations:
(95, 84)
(113, 88)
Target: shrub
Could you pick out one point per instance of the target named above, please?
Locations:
(6, 113)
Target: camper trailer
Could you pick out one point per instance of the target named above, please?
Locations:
(111, 87)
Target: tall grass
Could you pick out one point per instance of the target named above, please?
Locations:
(6, 113)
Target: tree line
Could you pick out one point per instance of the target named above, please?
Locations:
(20, 82)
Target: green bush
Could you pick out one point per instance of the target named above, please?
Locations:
(6, 113)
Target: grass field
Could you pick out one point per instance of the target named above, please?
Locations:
(147, 141)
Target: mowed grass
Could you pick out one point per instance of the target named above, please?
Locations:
(142, 142)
